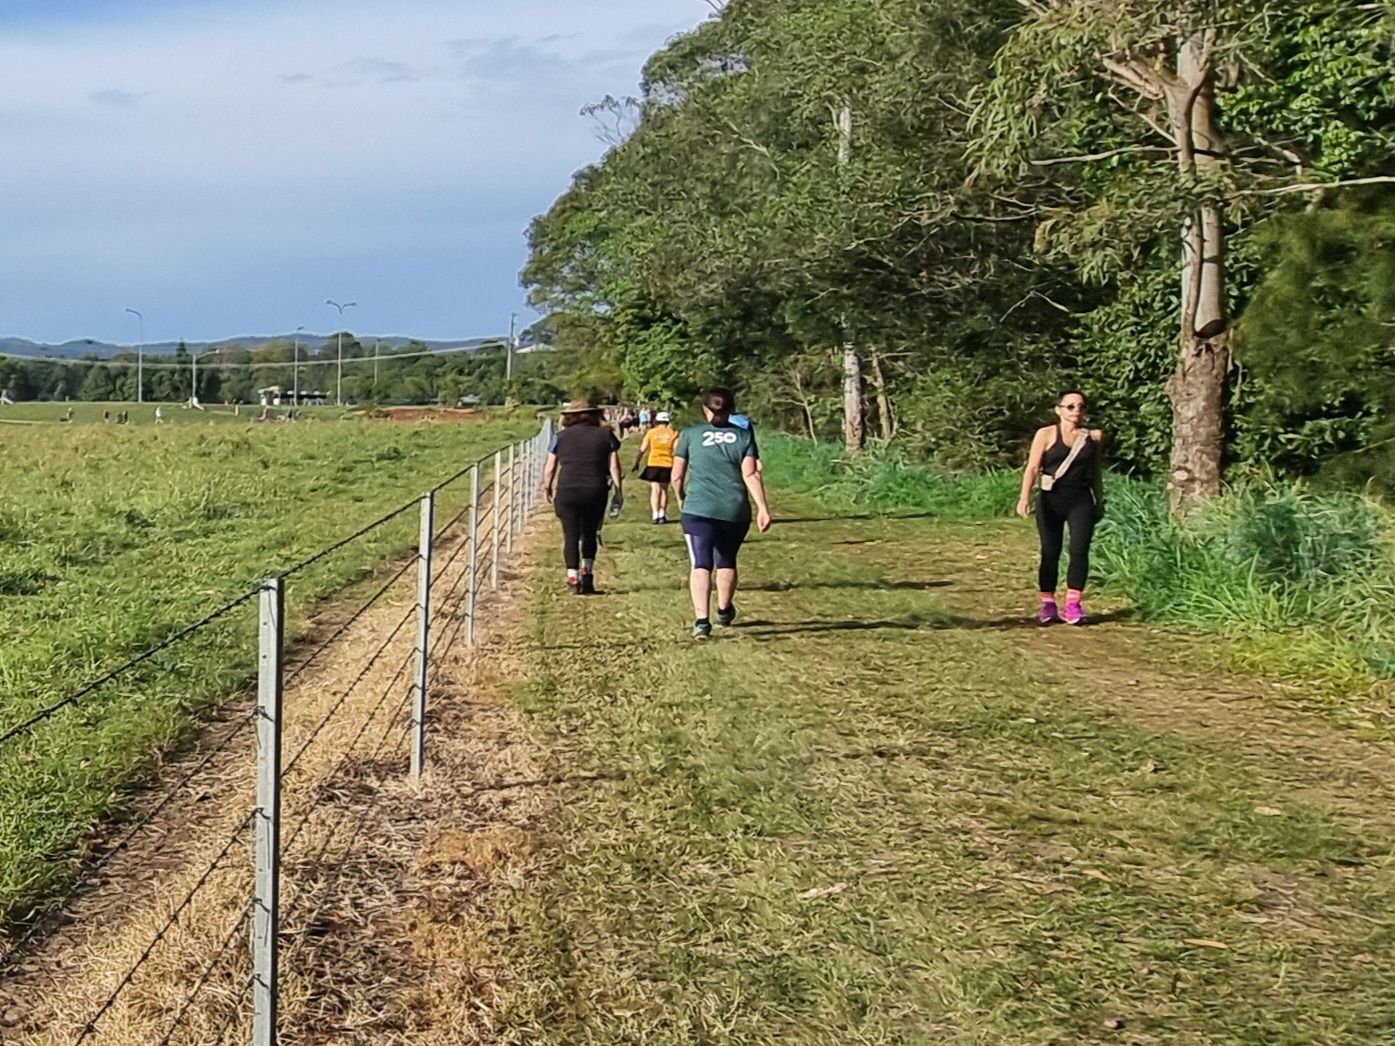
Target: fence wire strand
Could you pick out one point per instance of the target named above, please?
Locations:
(244, 916)
(87, 688)
(359, 823)
(349, 748)
(89, 874)
(363, 531)
(90, 1028)
(363, 672)
(397, 576)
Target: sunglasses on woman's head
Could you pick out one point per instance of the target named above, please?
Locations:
(1072, 406)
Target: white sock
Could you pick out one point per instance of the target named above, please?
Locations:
(572, 574)
(587, 565)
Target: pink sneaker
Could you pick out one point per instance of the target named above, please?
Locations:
(1048, 612)
(1075, 613)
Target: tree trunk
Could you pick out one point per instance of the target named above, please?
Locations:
(884, 417)
(854, 425)
(1197, 388)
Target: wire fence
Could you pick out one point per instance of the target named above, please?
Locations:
(224, 923)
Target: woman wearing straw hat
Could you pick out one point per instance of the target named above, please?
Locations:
(587, 457)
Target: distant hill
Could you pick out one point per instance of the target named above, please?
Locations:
(92, 347)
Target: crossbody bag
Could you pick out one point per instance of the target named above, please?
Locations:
(1048, 479)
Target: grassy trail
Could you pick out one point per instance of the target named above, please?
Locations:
(881, 810)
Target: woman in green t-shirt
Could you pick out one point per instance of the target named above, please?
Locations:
(714, 471)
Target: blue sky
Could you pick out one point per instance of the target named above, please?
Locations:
(226, 165)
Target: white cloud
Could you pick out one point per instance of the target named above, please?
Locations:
(200, 140)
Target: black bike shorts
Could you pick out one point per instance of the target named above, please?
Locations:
(714, 543)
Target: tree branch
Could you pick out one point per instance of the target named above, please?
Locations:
(1285, 190)
(1107, 155)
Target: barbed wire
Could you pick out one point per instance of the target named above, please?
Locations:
(85, 877)
(441, 532)
(238, 925)
(348, 749)
(372, 601)
(367, 667)
(363, 531)
(461, 546)
(87, 688)
(359, 823)
(90, 1027)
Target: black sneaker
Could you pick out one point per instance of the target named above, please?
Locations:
(727, 616)
(702, 630)
(587, 586)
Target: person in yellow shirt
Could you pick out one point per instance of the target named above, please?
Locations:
(658, 442)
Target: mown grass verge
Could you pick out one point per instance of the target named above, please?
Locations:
(863, 816)
(112, 539)
(1308, 579)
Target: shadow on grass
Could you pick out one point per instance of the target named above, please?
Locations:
(888, 516)
(792, 586)
(938, 623)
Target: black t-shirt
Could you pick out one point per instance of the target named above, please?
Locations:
(583, 455)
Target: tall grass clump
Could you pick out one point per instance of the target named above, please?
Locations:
(1264, 556)
(879, 480)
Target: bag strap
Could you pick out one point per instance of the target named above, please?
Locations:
(1064, 467)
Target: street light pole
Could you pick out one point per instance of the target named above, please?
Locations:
(140, 393)
(339, 378)
(508, 359)
(295, 368)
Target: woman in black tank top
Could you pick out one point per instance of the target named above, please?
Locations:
(1067, 458)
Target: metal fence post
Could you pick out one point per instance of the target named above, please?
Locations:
(266, 902)
(474, 553)
(494, 527)
(428, 516)
(512, 484)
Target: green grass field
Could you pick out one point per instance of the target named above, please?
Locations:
(888, 808)
(113, 537)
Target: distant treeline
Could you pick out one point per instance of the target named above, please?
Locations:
(406, 374)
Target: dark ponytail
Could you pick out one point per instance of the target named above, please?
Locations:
(720, 402)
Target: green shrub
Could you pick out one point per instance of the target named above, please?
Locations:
(1263, 556)
(879, 480)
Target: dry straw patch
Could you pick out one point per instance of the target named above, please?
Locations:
(381, 877)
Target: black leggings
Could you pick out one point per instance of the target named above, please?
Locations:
(1056, 510)
(581, 513)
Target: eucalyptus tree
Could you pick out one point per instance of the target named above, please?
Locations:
(1180, 114)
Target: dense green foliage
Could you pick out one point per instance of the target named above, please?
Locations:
(1001, 220)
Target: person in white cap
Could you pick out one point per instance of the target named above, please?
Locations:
(658, 443)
